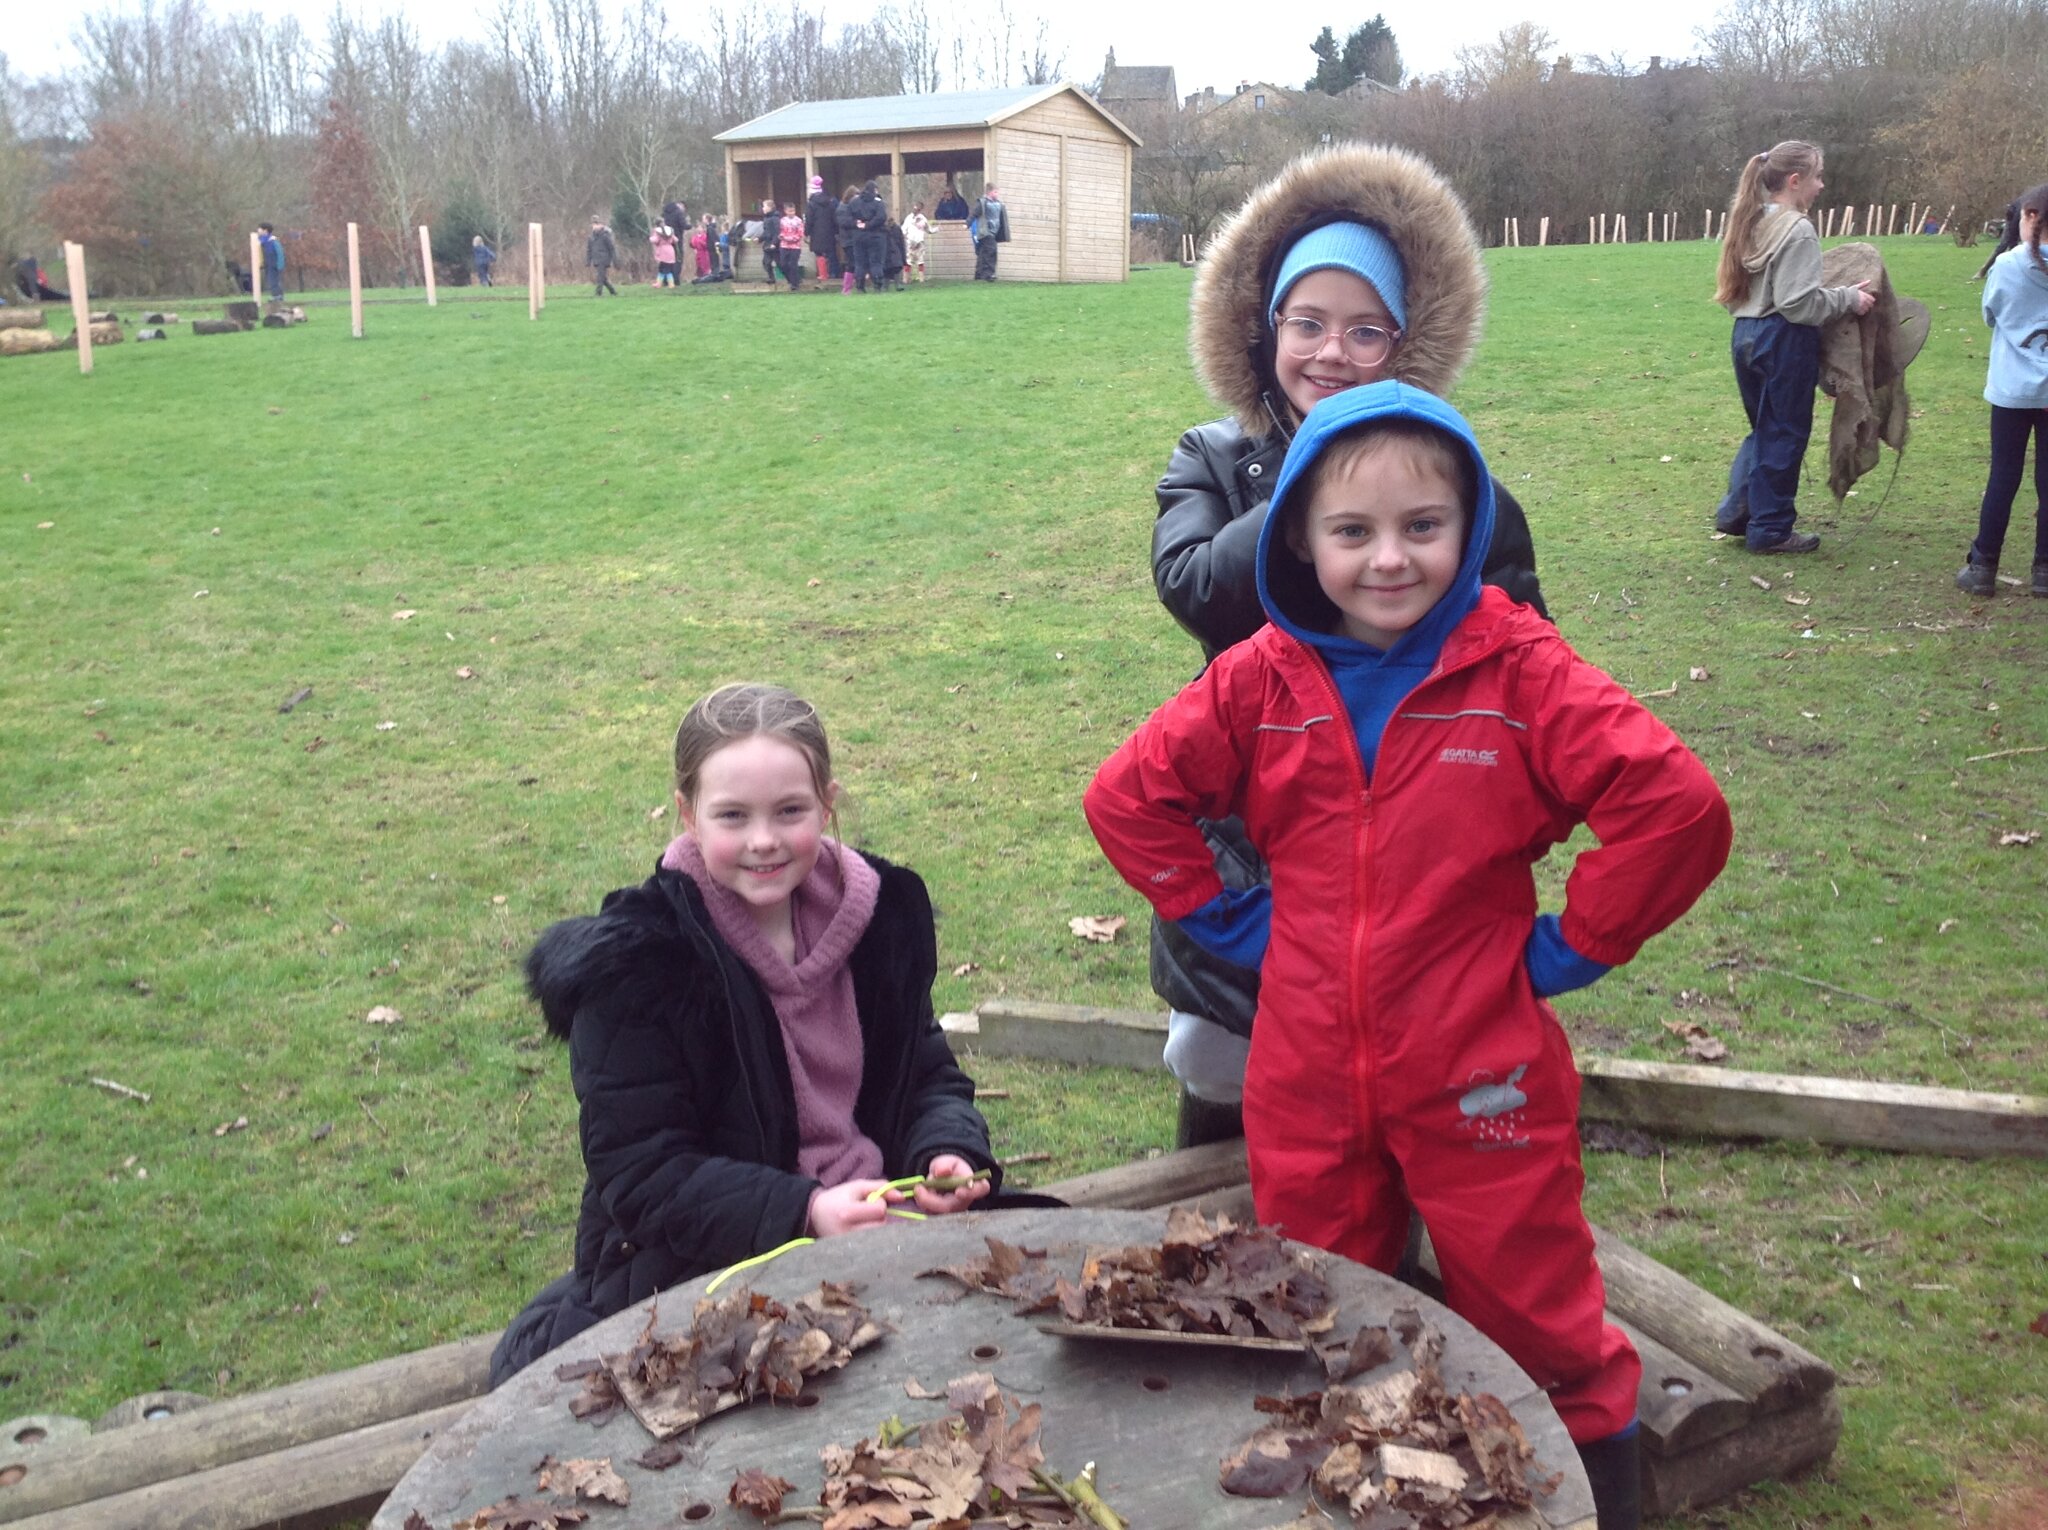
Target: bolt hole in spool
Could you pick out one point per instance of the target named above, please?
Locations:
(1676, 1386)
(986, 1351)
(696, 1512)
(152, 1415)
(35, 1434)
(12, 1474)
(1766, 1352)
(1155, 1383)
(804, 1400)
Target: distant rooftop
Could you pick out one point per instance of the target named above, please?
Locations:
(894, 114)
(1139, 82)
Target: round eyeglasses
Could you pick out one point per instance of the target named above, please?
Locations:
(1365, 345)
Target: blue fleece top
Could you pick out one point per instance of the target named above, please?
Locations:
(1371, 681)
(2016, 308)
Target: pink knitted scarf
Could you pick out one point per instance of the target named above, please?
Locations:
(813, 996)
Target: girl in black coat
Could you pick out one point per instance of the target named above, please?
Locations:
(750, 1033)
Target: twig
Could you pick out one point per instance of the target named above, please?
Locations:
(1999, 754)
(520, 1109)
(1669, 690)
(372, 1115)
(1896, 1006)
(1663, 1189)
(1052, 1484)
(1091, 1502)
(1027, 1158)
(121, 1089)
(791, 1516)
(991, 1094)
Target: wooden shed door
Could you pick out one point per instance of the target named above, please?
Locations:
(1098, 223)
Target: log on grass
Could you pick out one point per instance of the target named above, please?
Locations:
(254, 1427)
(151, 333)
(27, 342)
(1725, 1102)
(1777, 1445)
(1178, 1176)
(21, 318)
(244, 311)
(218, 326)
(107, 332)
(319, 1483)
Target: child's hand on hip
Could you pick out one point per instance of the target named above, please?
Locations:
(939, 1202)
(847, 1208)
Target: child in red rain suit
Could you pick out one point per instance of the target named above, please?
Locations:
(1403, 744)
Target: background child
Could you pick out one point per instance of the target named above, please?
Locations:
(1346, 239)
(663, 238)
(790, 235)
(750, 1031)
(1402, 1052)
(1769, 279)
(601, 253)
(483, 257)
(916, 229)
(2016, 387)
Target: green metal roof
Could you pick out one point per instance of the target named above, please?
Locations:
(902, 114)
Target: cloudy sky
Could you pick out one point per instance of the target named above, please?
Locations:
(1271, 48)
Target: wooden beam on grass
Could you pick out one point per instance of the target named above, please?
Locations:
(1899, 1118)
(1071, 1033)
(110, 1466)
(321, 1482)
(1655, 1096)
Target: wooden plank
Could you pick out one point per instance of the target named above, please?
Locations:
(1671, 1097)
(1780, 1445)
(1682, 1405)
(240, 1428)
(1720, 1102)
(1176, 1176)
(1072, 1033)
(318, 1483)
(1762, 1366)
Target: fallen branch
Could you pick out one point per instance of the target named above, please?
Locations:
(1027, 1158)
(1669, 690)
(121, 1089)
(1999, 754)
(372, 1115)
(1896, 1006)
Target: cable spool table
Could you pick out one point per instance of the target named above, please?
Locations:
(1156, 1418)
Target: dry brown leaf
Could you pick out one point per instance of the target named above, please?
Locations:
(465, 673)
(240, 1123)
(965, 968)
(2019, 837)
(403, 616)
(523, 1514)
(1100, 928)
(758, 1493)
(383, 1014)
(1798, 600)
(1699, 672)
(1706, 1049)
(1686, 1027)
(591, 1478)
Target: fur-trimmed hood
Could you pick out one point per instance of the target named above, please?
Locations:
(1396, 191)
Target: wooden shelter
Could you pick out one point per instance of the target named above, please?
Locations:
(1061, 162)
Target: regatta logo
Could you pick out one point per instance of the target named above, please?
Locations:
(1469, 757)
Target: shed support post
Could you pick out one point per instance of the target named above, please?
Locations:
(896, 179)
(732, 191)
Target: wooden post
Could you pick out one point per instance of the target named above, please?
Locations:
(427, 266)
(533, 270)
(1721, 226)
(1913, 218)
(1891, 222)
(540, 262)
(1669, 219)
(1621, 228)
(1603, 228)
(255, 267)
(355, 282)
(1592, 237)
(1827, 224)
(1945, 219)
(81, 303)
(1707, 227)
(1543, 231)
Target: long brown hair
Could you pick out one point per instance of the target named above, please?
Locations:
(740, 711)
(2036, 202)
(1763, 177)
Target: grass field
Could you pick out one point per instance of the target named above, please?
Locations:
(503, 556)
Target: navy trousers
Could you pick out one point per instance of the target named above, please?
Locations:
(2009, 431)
(1777, 367)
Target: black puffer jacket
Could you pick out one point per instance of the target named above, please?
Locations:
(688, 1118)
(1218, 482)
(821, 223)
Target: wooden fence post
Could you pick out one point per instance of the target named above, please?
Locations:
(1591, 237)
(427, 266)
(1891, 223)
(255, 266)
(1621, 228)
(1945, 217)
(81, 304)
(533, 270)
(355, 282)
(1543, 231)
(540, 260)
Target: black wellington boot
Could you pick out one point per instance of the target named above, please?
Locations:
(1205, 1121)
(1614, 1468)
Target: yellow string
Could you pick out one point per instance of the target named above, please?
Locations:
(748, 1264)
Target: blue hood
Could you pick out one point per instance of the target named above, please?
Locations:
(1288, 590)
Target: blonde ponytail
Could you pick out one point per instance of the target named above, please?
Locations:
(1763, 176)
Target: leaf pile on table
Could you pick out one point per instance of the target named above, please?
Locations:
(1203, 1278)
(514, 1513)
(978, 1464)
(737, 1348)
(1397, 1453)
